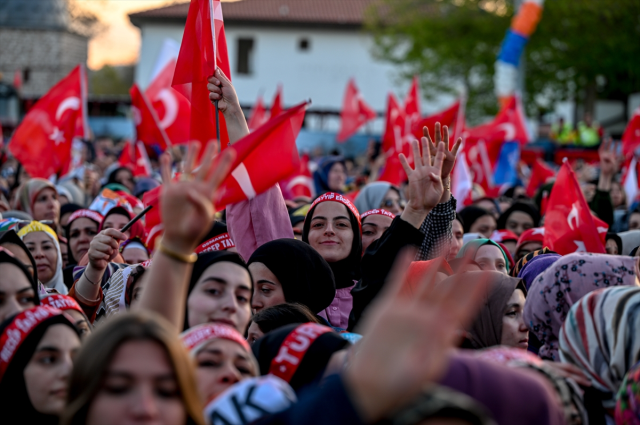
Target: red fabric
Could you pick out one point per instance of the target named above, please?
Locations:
(631, 136)
(482, 144)
(42, 142)
(61, 302)
(148, 130)
(152, 235)
(152, 218)
(134, 156)
(217, 243)
(503, 235)
(377, 212)
(336, 197)
(172, 107)
(197, 61)
(508, 254)
(532, 235)
(394, 143)
(90, 214)
(412, 108)
(448, 117)
(275, 144)
(199, 335)
(355, 112)
(540, 173)
(300, 184)
(418, 269)
(132, 200)
(293, 349)
(276, 106)
(258, 115)
(569, 226)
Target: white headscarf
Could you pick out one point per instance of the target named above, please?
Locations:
(57, 281)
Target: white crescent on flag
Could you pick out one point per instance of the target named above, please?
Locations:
(137, 117)
(573, 215)
(509, 131)
(69, 103)
(170, 108)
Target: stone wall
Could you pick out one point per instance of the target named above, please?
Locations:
(49, 55)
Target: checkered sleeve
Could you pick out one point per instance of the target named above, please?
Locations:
(437, 231)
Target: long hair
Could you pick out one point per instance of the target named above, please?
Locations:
(92, 362)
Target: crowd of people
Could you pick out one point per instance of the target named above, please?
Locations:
(368, 303)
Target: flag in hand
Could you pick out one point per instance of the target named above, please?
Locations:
(569, 225)
(171, 107)
(203, 48)
(540, 173)
(631, 136)
(43, 140)
(276, 106)
(148, 130)
(355, 112)
(258, 115)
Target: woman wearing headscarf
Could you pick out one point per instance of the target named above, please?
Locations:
(524, 260)
(379, 195)
(374, 224)
(628, 399)
(36, 362)
(288, 270)
(117, 218)
(71, 308)
(43, 244)
(222, 357)
(65, 212)
(478, 220)
(530, 240)
(519, 217)
(499, 321)
(129, 357)
(83, 225)
(613, 244)
(487, 253)
(134, 251)
(10, 241)
(600, 337)
(567, 280)
(18, 286)
(535, 265)
(39, 198)
(630, 240)
(122, 176)
(331, 175)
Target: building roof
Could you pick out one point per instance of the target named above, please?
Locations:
(34, 14)
(342, 13)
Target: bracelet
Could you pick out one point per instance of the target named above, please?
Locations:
(182, 258)
(88, 280)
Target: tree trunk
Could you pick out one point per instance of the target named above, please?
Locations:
(590, 97)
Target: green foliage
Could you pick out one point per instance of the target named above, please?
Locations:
(580, 47)
(108, 81)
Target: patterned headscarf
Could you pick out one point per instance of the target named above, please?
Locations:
(524, 260)
(600, 336)
(628, 404)
(570, 278)
(530, 272)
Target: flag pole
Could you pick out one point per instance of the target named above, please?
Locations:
(215, 52)
(217, 122)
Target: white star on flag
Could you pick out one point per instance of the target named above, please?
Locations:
(57, 136)
(581, 247)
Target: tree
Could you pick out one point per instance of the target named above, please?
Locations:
(582, 49)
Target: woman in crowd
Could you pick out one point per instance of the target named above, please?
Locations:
(71, 308)
(613, 244)
(10, 241)
(533, 264)
(280, 315)
(379, 195)
(222, 357)
(43, 244)
(563, 284)
(487, 254)
(82, 226)
(122, 176)
(134, 251)
(520, 217)
(18, 287)
(530, 240)
(457, 230)
(133, 368)
(37, 358)
(117, 218)
(39, 199)
(331, 175)
(374, 224)
(288, 270)
(478, 220)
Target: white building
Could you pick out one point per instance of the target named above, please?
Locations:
(310, 47)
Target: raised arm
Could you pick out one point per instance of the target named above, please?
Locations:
(256, 221)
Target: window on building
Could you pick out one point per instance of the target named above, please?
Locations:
(304, 45)
(245, 56)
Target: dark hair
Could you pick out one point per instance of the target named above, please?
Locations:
(281, 315)
(617, 239)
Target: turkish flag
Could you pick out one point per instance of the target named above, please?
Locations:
(134, 156)
(355, 112)
(203, 48)
(300, 183)
(171, 107)
(148, 130)
(153, 217)
(42, 142)
(412, 113)
(461, 183)
(258, 115)
(263, 158)
(393, 143)
(631, 136)
(448, 117)
(630, 180)
(276, 106)
(569, 225)
(540, 173)
(483, 144)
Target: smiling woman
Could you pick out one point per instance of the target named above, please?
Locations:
(43, 244)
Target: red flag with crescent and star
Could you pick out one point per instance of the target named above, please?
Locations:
(355, 112)
(43, 140)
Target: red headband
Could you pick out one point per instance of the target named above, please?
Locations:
(91, 215)
(535, 234)
(377, 212)
(217, 243)
(199, 335)
(61, 302)
(336, 197)
(19, 329)
(293, 349)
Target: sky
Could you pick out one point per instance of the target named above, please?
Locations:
(120, 43)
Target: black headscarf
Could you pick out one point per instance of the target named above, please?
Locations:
(207, 259)
(470, 215)
(617, 239)
(346, 271)
(313, 363)
(523, 206)
(12, 237)
(305, 276)
(69, 209)
(321, 175)
(13, 388)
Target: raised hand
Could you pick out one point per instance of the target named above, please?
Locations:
(221, 89)
(609, 161)
(186, 205)
(449, 155)
(407, 338)
(104, 248)
(425, 182)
